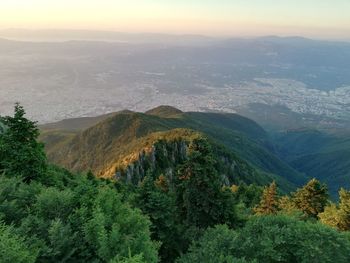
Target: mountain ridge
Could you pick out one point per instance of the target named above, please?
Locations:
(101, 146)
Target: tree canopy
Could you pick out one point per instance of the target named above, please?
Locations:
(20, 152)
(270, 239)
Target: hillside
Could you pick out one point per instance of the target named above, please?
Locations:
(118, 140)
(317, 154)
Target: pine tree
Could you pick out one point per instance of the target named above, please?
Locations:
(159, 205)
(269, 201)
(330, 216)
(200, 196)
(311, 199)
(344, 209)
(20, 152)
(338, 217)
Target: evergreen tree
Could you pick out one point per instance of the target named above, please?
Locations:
(269, 202)
(159, 205)
(13, 248)
(287, 206)
(201, 199)
(276, 238)
(114, 230)
(330, 216)
(344, 209)
(20, 153)
(311, 199)
(338, 217)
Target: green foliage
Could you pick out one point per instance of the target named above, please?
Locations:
(200, 197)
(311, 198)
(287, 206)
(65, 217)
(217, 245)
(61, 240)
(283, 239)
(15, 197)
(320, 154)
(53, 203)
(85, 220)
(183, 204)
(20, 153)
(129, 259)
(271, 239)
(249, 195)
(13, 248)
(160, 206)
(115, 229)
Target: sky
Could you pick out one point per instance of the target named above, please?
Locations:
(310, 18)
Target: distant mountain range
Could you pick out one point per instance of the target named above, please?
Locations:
(52, 35)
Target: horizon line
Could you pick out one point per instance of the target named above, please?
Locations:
(154, 33)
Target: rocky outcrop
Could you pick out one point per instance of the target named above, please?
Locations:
(162, 157)
(2, 127)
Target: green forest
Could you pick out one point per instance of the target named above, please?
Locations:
(51, 214)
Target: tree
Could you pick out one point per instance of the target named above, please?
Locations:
(338, 217)
(200, 198)
(311, 198)
(115, 231)
(269, 202)
(160, 206)
(64, 217)
(217, 245)
(344, 209)
(273, 238)
(287, 206)
(249, 195)
(284, 239)
(13, 248)
(20, 153)
(330, 216)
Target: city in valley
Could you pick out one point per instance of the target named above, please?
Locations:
(59, 80)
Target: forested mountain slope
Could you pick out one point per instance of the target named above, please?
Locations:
(107, 145)
(317, 154)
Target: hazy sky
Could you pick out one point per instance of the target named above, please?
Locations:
(313, 18)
